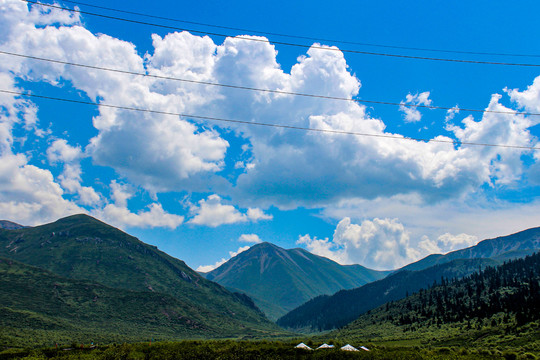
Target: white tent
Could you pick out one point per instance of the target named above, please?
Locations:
(302, 346)
(349, 348)
(325, 346)
(364, 348)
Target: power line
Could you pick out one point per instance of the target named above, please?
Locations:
(289, 127)
(300, 36)
(317, 47)
(280, 92)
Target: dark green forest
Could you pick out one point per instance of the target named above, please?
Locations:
(512, 289)
(498, 307)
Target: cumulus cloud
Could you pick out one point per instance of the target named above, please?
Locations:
(324, 247)
(29, 195)
(250, 238)
(117, 213)
(446, 243)
(381, 244)
(529, 98)
(377, 243)
(469, 219)
(412, 114)
(154, 217)
(256, 214)
(211, 212)
(284, 168)
(142, 147)
(70, 179)
(208, 268)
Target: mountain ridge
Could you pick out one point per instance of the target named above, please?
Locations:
(487, 248)
(319, 314)
(80, 247)
(10, 225)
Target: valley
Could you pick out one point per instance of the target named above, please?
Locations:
(79, 280)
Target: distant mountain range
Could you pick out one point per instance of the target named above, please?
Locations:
(329, 312)
(278, 280)
(81, 278)
(9, 225)
(512, 246)
(82, 248)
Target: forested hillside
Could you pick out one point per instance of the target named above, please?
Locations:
(498, 304)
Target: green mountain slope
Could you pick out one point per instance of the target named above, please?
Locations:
(39, 307)
(81, 247)
(279, 280)
(495, 306)
(328, 312)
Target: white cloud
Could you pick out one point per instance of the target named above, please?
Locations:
(381, 244)
(60, 151)
(250, 238)
(142, 147)
(117, 213)
(208, 268)
(324, 247)
(29, 195)
(377, 243)
(283, 168)
(446, 243)
(211, 212)
(120, 193)
(451, 114)
(468, 219)
(70, 179)
(154, 217)
(412, 114)
(529, 98)
(256, 214)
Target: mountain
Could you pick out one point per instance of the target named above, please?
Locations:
(495, 306)
(83, 248)
(279, 280)
(38, 307)
(9, 225)
(328, 312)
(504, 247)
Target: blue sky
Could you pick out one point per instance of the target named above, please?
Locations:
(203, 190)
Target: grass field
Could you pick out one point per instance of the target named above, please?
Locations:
(249, 350)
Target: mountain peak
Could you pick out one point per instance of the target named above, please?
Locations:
(78, 218)
(265, 245)
(280, 279)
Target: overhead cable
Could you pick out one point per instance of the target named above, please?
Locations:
(298, 36)
(280, 126)
(317, 47)
(280, 92)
